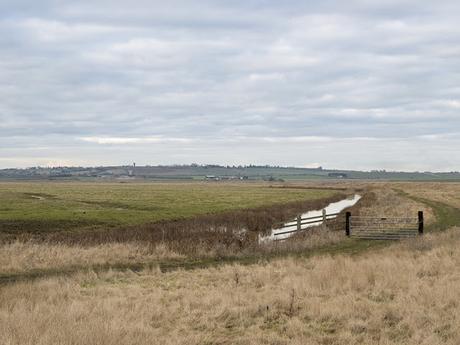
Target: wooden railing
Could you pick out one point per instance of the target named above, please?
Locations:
(299, 223)
(379, 228)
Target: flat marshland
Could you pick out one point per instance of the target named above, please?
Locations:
(71, 206)
(316, 288)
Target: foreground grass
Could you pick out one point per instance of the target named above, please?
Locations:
(45, 207)
(404, 294)
(31, 261)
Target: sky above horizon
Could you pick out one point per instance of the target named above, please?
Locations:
(357, 84)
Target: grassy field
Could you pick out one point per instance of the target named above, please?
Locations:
(319, 288)
(62, 206)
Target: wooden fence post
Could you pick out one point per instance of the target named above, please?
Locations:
(420, 222)
(299, 221)
(347, 224)
(324, 219)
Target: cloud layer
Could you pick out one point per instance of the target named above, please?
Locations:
(357, 84)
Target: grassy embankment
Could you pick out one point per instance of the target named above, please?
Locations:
(442, 198)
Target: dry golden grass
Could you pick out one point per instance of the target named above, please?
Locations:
(387, 202)
(308, 240)
(25, 257)
(408, 293)
(22, 257)
(448, 193)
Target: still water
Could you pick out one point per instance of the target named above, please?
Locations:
(334, 207)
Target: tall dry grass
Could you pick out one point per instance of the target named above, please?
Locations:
(448, 193)
(386, 201)
(22, 257)
(405, 294)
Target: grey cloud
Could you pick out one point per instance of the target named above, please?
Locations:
(214, 71)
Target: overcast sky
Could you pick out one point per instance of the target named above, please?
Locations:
(358, 84)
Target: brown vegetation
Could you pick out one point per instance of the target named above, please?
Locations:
(447, 193)
(385, 201)
(405, 294)
(21, 257)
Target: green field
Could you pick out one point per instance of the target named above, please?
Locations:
(55, 206)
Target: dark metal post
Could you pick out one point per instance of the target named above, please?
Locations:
(324, 219)
(420, 222)
(347, 224)
(299, 221)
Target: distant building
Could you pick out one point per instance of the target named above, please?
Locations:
(337, 175)
(225, 177)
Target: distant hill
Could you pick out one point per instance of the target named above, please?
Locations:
(216, 173)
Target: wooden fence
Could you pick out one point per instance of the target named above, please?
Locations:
(302, 224)
(364, 227)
